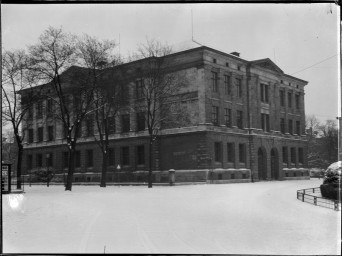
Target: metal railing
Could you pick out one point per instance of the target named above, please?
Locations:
(313, 196)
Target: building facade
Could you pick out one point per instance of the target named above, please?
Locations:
(245, 122)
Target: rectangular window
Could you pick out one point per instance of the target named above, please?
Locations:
(65, 159)
(218, 151)
(65, 132)
(50, 133)
(111, 157)
(293, 155)
(238, 87)
(40, 132)
(289, 99)
(39, 160)
(77, 159)
(125, 123)
(285, 155)
(265, 122)
(227, 87)
(111, 124)
(79, 130)
(49, 107)
(77, 104)
(89, 158)
(300, 155)
(30, 135)
(297, 100)
(282, 98)
(39, 109)
(230, 152)
(139, 87)
(242, 153)
(90, 127)
(29, 162)
(125, 155)
(290, 130)
(214, 81)
(239, 116)
(228, 117)
(264, 92)
(282, 125)
(141, 155)
(49, 160)
(214, 115)
(141, 121)
(298, 128)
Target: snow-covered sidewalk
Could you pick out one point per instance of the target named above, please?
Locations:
(247, 218)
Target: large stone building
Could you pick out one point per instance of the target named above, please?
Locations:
(245, 122)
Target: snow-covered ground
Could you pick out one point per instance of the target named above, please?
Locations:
(248, 218)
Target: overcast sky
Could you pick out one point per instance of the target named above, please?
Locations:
(294, 36)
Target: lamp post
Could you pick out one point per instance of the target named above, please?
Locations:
(118, 168)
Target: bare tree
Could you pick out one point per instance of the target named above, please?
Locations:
(157, 90)
(97, 56)
(15, 107)
(53, 59)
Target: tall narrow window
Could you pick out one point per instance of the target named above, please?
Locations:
(282, 125)
(111, 124)
(77, 104)
(214, 81)
(289, 99)
(111, 157)
(39, 109)
(300, 155)
(79, 130)
(228, 117)
(214, 115)
(89, 158)
(293, 155)
(265, 122)
(227, 87)
(90, 127)
(29, 162)
(49, 160)
(30, 112)
(77, 159)
(65, 159)
(49, 107)
(242, 153)
(50, 133)
(218, 151)
(230, 152)
(125, 155)
(141, 121)
(298, 128)
(282, 98)
(285, 155)
(264, 92)
(40, 134)
(239, 116)
(30, 135)
(39, 160)
(139, 86)
(297, 100)
(141, 155)
(125, 123)
(238, 87)
(290, 128)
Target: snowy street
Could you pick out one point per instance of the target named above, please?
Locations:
(246, 218)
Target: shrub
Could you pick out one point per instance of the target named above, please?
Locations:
(44, 174)
(331, 183)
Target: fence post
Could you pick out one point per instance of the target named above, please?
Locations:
(313, 190)
(315, 200)
(303, 197)
(336, 205)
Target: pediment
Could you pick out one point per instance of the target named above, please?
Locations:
(267, 64)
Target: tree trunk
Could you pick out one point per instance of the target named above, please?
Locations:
(150, 163)
(20, 156)
(71, 168)
(104, 169)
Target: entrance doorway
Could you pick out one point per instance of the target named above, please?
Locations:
(274, 164)
(262, 165)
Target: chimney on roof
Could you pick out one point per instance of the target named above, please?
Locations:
(235, 53)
